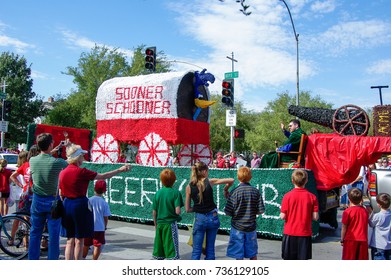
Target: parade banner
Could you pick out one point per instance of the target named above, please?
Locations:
(130, 194)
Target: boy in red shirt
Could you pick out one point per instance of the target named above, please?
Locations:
(298, 208)
(354, 232)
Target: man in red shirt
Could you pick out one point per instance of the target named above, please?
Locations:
(298, 208)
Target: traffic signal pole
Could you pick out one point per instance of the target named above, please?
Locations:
(232, 144)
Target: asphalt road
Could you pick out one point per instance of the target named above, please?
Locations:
(134, 241)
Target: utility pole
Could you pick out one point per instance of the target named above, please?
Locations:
(2, 112)
(380, 87)
(232, 144)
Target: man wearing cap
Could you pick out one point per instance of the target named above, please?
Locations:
(78, 219)
(44, 170)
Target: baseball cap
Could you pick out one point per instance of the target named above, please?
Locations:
(100, 186)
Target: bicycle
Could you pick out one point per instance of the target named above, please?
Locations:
(15, 246)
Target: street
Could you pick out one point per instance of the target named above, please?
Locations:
(134, 241)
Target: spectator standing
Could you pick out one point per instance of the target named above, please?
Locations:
(384, 163)
(101, 211)
(354, 232)
(244, 203)
(166, 206)
(5, 175)
(256, 161)
(356, 183)
(44, 169)
(380, 240)
(220, 160)
(206, 218)
(78, 220)
(298, 208)
(25, 184)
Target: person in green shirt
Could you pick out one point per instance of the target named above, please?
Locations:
(44, 170)
(270, 160)
(166, 206)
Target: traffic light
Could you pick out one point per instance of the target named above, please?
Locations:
(6, 109)
(228, 92)
(150, 58)
(239, 133)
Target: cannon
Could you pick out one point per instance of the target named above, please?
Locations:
(346, 120)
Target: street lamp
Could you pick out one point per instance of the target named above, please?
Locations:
(297, 53)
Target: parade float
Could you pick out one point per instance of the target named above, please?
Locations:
(155, 111)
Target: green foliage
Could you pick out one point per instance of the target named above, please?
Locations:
(261, 129)
(267, 129)
(26, 105)
(220, 133)
(93, 69)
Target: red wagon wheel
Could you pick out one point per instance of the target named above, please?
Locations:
(189, 154)
(153, 150)
(350, 120)
(105, 149)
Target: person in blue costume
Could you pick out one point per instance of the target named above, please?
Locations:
(270, 160)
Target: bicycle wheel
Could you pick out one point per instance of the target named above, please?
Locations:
(14, 236)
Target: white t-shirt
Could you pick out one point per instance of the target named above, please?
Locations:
(101, 209)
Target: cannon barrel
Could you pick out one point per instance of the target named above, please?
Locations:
(346, 120)
(321, 116)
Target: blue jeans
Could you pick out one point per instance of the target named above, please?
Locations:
(380, 254)
(40, 212)
(205, 225)
(359, 185)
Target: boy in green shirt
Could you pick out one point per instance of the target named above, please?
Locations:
(166, 206)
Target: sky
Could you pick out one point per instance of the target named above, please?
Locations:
(344, 45)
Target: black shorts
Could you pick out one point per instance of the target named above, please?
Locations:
(4, 194)
(296, 247)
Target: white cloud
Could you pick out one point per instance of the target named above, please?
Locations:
(352, 35)
(75, 41)
(323, 6)
(266, 52)
(10, 42)
(380, 67)
(38, 75)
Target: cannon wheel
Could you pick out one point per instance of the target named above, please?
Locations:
(350, 120)
(105, 149)
(190, 154)
(153, 150)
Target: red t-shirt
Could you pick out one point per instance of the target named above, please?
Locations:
(24, 170)
(5, 175)
(356, 220)
(73, 181)
(298, 206)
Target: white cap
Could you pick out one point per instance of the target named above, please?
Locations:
(77, 153)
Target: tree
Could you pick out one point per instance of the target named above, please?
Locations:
(267, 129)
(93, 69)
(26, 105)
(220, 133)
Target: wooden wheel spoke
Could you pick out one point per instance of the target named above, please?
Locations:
(356, 122)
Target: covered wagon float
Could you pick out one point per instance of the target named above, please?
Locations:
(153, 112)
